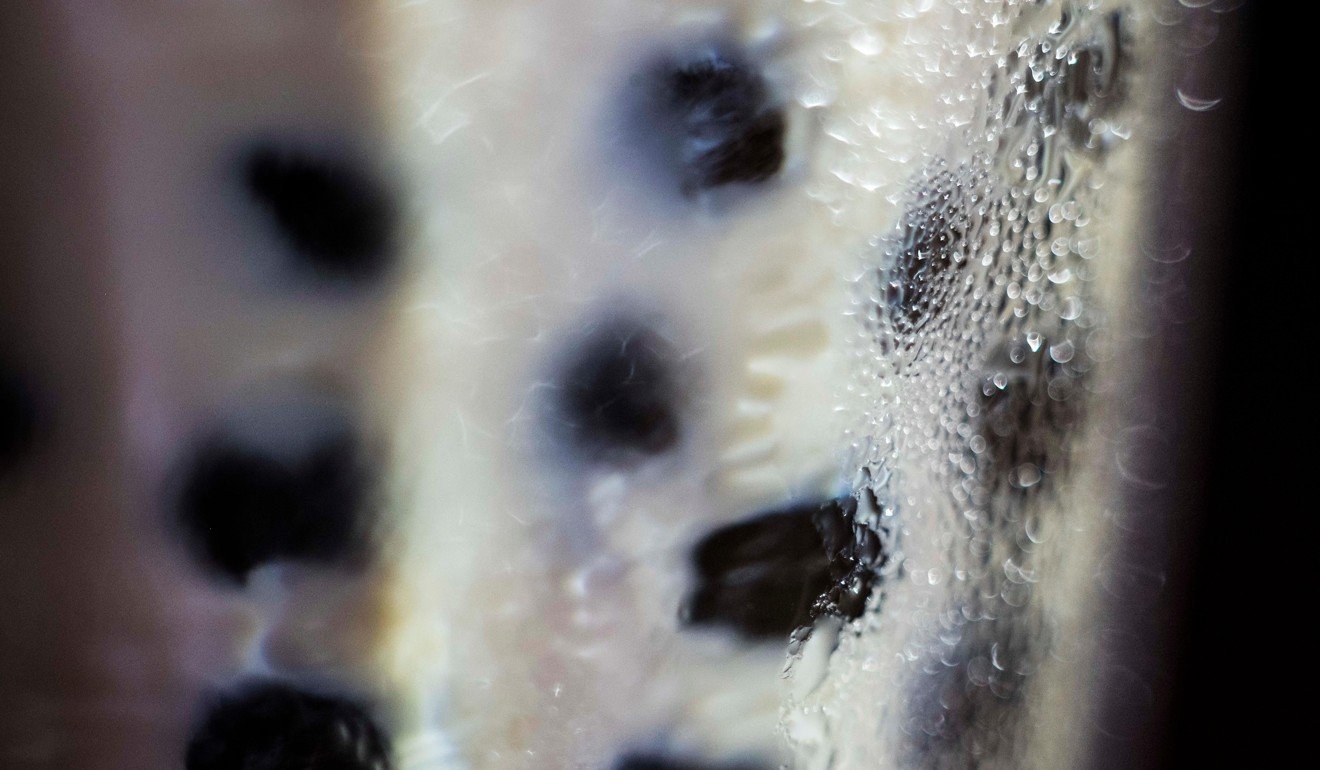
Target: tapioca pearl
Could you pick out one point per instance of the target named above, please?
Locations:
(337, 218)
(714, 119)
(275, 726)
(731, 132)
(618, 396)
(759, 577)
(18, 417)
(1027, 409)
(968, 696)
(264, 488)
(774, 572)
(856, 551)
(923, 259)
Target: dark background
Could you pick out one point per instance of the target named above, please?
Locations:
(1243, 649)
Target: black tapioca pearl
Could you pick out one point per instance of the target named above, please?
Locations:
(1024, 417)
(967, 700)
(243, 504)
(619, 396)
(761, 577)
(18, 417)
(856, 554)
(665, 762)
(930, 247)
(722, 123)
(339, 219)
(769, 575)
(273, 726)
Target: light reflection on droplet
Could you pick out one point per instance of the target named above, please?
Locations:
(1197, 104)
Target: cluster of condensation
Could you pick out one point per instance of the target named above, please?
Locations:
(975, 346)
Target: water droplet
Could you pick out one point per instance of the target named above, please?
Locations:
(1027, 475)
(1063, 352)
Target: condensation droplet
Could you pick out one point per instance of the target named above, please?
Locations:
(1063, 352)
